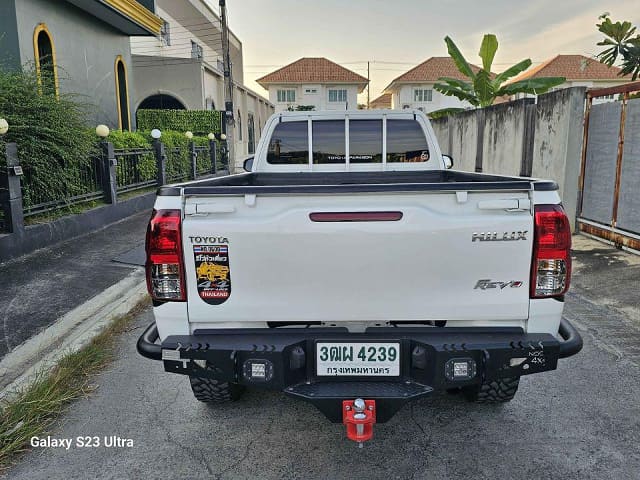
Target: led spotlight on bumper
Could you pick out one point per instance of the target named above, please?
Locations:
(460, 369)
(257, 370)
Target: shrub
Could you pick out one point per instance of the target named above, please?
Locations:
(54, 145)
(126, 139)
(176, 148)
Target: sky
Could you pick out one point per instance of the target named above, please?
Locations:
(397, 35)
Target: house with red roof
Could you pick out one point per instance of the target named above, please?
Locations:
(381, 103)
(579, 71)
(316, 83)
(414, 89)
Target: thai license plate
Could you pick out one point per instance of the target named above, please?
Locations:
(358, 359)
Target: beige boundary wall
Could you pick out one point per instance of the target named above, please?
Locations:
(542, 140)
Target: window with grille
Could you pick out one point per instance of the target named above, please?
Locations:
(196, 50)
(337, 95)
(422, 95)
(286, 96)
(165, 33)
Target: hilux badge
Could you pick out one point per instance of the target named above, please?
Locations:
(496, 237)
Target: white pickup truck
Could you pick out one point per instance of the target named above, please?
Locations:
(351, 268)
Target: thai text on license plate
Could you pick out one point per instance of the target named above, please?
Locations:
(358, 359)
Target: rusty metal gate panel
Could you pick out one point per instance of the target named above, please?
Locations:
(609, 183)
(600, 166)
(629, 196)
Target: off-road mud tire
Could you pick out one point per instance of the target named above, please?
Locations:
(493, 391)
(209, 390)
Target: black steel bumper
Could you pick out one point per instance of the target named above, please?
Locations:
(147, 346)
(426, 359)
(571, 339)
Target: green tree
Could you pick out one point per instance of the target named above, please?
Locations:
(484, 87)
(620, 42)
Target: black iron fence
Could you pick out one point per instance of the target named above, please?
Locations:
(135, 169)
(178, 165)
(102, 178)
(83, 183)
(203, 160)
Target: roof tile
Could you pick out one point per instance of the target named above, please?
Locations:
(383, 101)
(431, 70)
(572, 67)
(312, 70)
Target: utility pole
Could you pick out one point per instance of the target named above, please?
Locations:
(228, 87)
(368, 85)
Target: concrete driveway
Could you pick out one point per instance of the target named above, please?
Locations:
(580, 421)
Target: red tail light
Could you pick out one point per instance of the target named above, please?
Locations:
(165, 270)
(551, 265)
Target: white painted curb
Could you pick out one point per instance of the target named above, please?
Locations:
(70, 333)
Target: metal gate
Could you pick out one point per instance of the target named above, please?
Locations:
(609, 205)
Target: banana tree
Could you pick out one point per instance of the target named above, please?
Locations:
(483, 87)
(622, 42)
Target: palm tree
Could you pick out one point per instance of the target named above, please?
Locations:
(620, 42)
(484, 87)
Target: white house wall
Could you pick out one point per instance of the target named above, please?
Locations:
(319, 100)
(403, 96)
(151, 76)
(180, 38)
(213, 90)
(597, 84)
(584, 83)
(248, 102)
(198, 83)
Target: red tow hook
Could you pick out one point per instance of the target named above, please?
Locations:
(359, 416)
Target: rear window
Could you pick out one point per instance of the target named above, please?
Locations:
(365, 141)
(289, 144)
(406, 142)
(328, 141)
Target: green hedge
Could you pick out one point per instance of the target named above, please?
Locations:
(196, 121)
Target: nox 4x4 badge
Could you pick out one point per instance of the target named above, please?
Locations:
(212, 272)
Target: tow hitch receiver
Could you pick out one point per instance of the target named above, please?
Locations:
(359, 416)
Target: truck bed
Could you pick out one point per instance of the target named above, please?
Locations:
(354, 182)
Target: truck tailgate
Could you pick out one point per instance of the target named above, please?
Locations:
(450, 256)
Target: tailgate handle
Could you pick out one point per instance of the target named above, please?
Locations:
(355, 216)
(509, 204)
(206, 209)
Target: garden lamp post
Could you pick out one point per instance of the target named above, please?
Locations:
(10, 189)
(102, 131)
(212, 152)
(161, 159)
(192, 154)
(108, 165)
(224, 151)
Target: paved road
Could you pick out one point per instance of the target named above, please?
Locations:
(45, 285)
(579, 422)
